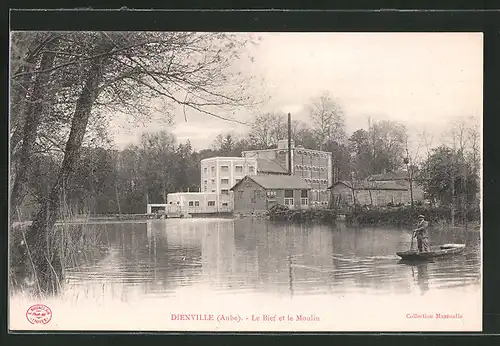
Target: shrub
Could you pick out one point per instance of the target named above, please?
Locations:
(283, 213)
(405, 216)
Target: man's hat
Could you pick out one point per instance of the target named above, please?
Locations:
(421, 217)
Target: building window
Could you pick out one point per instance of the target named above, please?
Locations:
(205, 171)
(196, 203)
(191, 203)
(212, 169)
(289, 197)
(224, 181)
(205, 182)
(213, 190)
(251, 169)
(205, 188)
(211, 203)
(224, 168)
(240, 194)
(237, 180)
(224, 204)
(271, 194)
(213, 181)
(238, 169)
(304, 200)
(224, 192)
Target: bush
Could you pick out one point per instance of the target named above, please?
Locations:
(283, 213)
(405, 216)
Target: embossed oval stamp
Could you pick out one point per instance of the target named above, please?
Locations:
(39, 314)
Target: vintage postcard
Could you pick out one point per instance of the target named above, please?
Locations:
(218, 181)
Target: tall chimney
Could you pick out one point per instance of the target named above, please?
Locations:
(289, 144)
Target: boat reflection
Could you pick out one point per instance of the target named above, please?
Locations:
(419, 272)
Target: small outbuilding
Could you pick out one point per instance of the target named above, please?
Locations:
(258, 193)
(368, 193)
(199, 202)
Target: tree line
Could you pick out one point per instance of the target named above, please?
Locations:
(109, 181)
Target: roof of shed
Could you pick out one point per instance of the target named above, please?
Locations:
(368, 185)
(277, 182)
(270, 166)
(399, 175)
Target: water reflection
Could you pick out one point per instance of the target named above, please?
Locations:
(223, 256)
(423, 277)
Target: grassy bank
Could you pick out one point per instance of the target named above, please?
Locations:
(406, 216)
(388, 216)
(283, 213)
(67, 245)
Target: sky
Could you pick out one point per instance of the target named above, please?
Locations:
(423, 80)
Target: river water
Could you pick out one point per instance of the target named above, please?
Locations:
(247, 274)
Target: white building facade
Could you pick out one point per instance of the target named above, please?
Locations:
(220, 174)
(197, 203)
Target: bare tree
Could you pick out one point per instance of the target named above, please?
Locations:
(34, 110)
(388, 139)
(465, 137)
(411, 160)
(100, 72)
(267, 129)
(328, 119)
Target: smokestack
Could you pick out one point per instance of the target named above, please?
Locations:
(289, 144)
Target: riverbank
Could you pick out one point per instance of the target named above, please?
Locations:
(123, 217)
(383, 216)
(406, 216)
(387, 216)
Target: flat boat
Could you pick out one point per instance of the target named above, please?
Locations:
(444, 250)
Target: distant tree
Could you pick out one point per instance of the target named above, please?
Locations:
(362, 154)
(341, 160)
(267, 129)
(225, 144)
(447, 175)
(184, 170)
(304, 135)
(328, 119)
(157, 151)
(388, 143)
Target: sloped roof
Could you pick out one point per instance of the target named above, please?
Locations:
(270, 166)
(399, 175)
(277, 182)
(367, 185)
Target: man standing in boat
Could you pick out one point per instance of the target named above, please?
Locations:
(421, 234)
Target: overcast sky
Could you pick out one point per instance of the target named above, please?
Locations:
(424, 80)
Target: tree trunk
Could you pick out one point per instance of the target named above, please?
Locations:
(452, 209)
(164, 189)
(40, 238)
(34, 113)
(21, 91)
(118, 198)
(19, 96)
